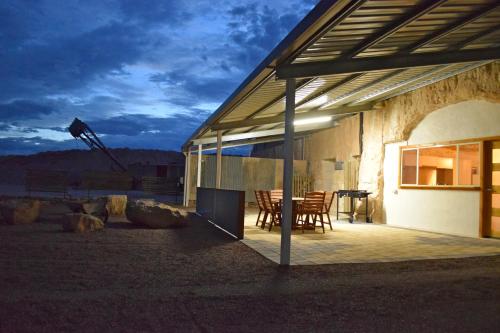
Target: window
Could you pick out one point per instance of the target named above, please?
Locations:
(468, 164)
(437, 165)
(441, 165)
(409, 167)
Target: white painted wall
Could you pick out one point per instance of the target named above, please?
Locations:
(450, 212)
(465, 120)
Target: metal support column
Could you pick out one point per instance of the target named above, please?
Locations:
(218, 175)
(187, 176)
(198, 176)
(286, 224)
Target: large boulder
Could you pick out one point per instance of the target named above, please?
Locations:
(19, 211)
(96, 207)
(117, 205)
(155, 215)
(80, 223)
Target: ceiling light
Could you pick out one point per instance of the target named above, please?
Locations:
(315, 120)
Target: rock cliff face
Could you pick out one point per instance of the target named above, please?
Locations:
(393, 120)
(13, 168)
(403, 113)
(397, 117)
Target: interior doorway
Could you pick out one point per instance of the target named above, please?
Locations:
(491, 189)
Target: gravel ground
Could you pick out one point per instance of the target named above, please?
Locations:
(197, 279)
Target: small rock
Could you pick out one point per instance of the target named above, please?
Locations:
(78, 222)
(97, 208)
(155, 215)
(19, 211)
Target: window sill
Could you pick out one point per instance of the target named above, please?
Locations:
(446, 188)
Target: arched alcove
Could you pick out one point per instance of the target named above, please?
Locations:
(461, 121)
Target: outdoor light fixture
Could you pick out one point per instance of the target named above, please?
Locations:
(315, 120)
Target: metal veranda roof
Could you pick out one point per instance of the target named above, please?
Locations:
(354, 30)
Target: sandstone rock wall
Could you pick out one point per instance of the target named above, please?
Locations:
(395, 119)
(371, 177)
(323, 148)
(404, 112)
(339, 143)
(392, 120)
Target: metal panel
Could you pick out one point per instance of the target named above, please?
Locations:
(224, 208)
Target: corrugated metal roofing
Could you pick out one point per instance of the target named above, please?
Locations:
(353, 29)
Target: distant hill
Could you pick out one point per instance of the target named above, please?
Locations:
(13, 167)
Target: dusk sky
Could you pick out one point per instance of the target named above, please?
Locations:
(142, 74)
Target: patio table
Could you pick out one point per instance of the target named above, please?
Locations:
(295, 203)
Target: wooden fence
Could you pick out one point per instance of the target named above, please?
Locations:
(93, 180)
(301, 185)
(160, 185)
(46, 181)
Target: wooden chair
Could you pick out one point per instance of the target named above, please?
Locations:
(271, 208)
(311, 208)
(262, 209)
(329, 196)
(276, 195)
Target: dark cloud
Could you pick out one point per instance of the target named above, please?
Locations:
(155, 11)
(111, 62)
(257, 29)
(13, 30)
(23, 146)
(132, 131)
(4, 127)
(188, 89)
(137, 124)
(23, 110)
(71, 63)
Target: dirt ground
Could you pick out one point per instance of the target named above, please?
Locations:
(197, 279)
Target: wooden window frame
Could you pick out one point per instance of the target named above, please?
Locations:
(457, 143)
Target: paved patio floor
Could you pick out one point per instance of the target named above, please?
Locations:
(363, 243)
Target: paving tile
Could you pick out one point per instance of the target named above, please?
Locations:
(364, 243)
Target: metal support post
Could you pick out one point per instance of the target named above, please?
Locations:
(218, 176)
(187, 176)
(198, 176)
(286, 224)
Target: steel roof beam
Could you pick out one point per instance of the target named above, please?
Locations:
(417, 12)
(363, 65)
(264, 133)
(480, 35)
(385, 90)
(281, 97)
(452, 27)
(336, 20)
(298, 116)
(323, 92)
(233, 144)
(437, 35)
(423, 9)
